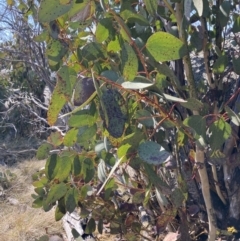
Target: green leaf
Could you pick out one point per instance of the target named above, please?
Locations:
(57, 102)
(104, 29)
(152, 153)
(64, 164)
(91, 226)
(129, 62)
(55, 138)
(177, 197)
(64, 81)
(50, 10)
(236, 25)
(165, 47)
(56, 192)
(71, 199)
(219, 132)
(155, 179)
(88, 170)
(51, 166)
(37, 203)
(40, 191)
(84, 89)
(236, 65)
(192, 104)
(220, 64)
(111, 75)
(235, 118)
(43, 151)
(86, 134)
(114, 45)
(71, 137)
(151, 6)
(145, 118)
(198, 4)
(77, 166)
(113, 112)
(100, 226)
(60, 210)
(132, 17)
(80, 12)
(198, 125)
(81, 118)
(224, 13)
(93, 51)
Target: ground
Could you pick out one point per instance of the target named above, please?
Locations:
(18, 220)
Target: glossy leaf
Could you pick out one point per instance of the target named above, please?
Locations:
(169, 48)
(129, 62)
(152, 153)
(52, 9)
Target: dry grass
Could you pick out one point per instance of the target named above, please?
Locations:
(22, 222)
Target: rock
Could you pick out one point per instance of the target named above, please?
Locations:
(13, 201)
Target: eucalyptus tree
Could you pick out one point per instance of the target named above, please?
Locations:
(149, 136)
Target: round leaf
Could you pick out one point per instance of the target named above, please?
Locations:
(165, 47)
(152, 153)
(50, 10)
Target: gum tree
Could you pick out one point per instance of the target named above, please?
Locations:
(145, 132)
